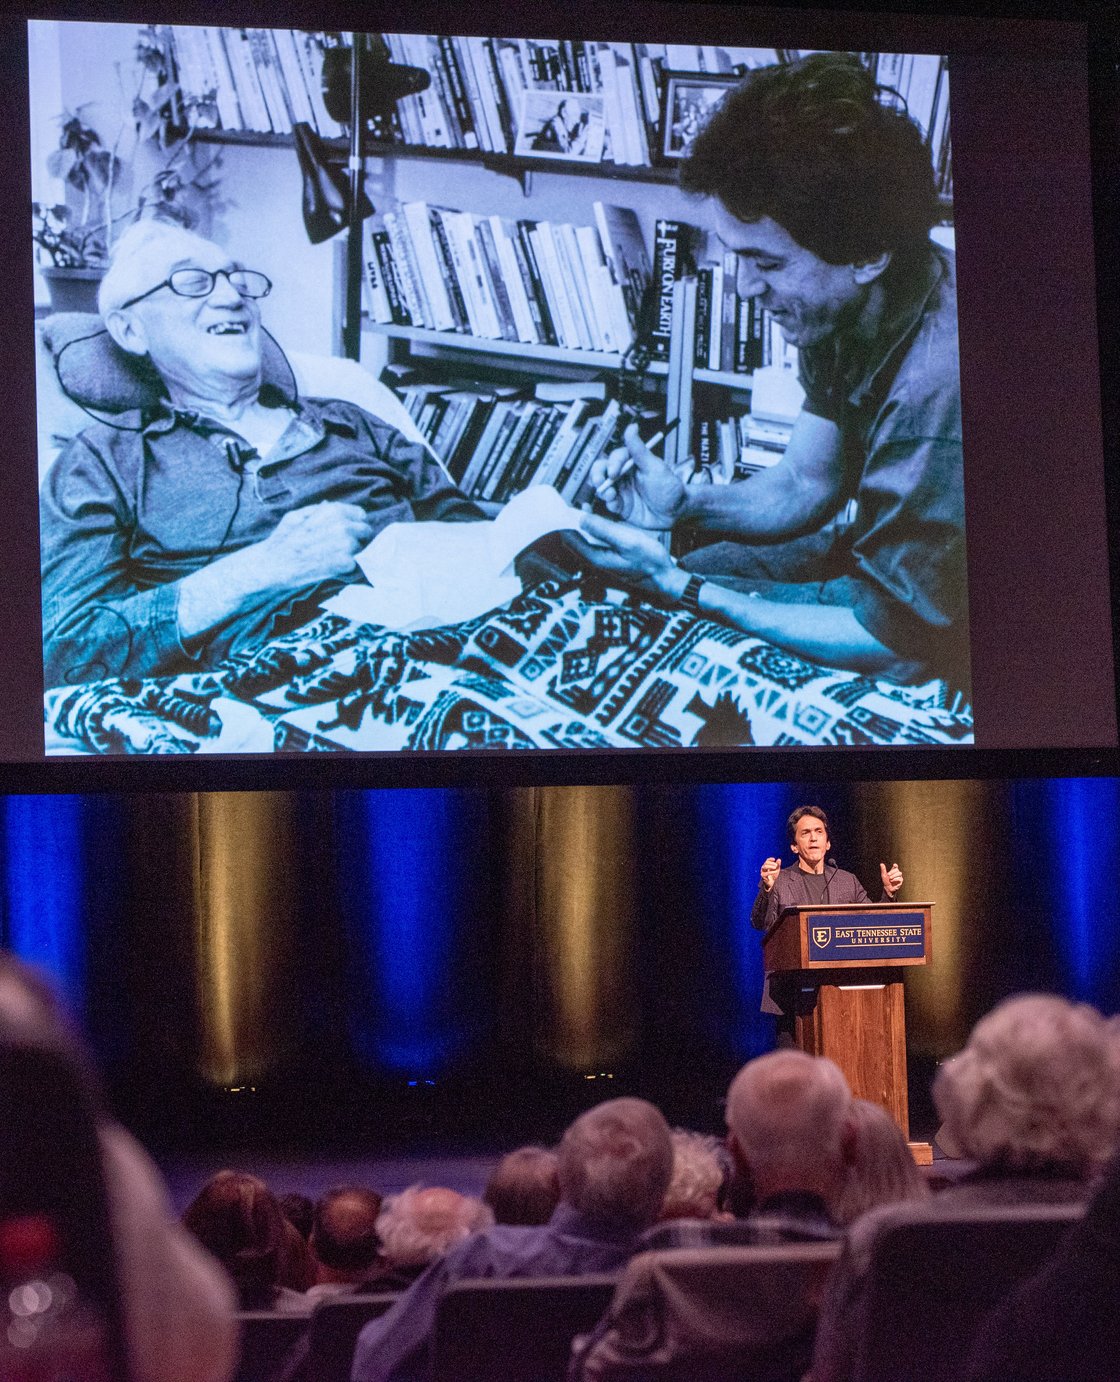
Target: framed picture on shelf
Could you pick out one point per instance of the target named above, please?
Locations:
(687, 102)
(561, 124)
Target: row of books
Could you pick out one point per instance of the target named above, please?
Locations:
(733, 334)
(502, 95)
(534, 282)
(265, 80)
(497, 443)
(488, 93)
(485, 91)
(262, 81)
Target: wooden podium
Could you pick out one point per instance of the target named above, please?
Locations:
(837, 968)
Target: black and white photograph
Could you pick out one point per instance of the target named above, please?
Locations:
(613, 457)
(561, 125)
(690, 100)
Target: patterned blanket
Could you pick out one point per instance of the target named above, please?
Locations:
(558, 667)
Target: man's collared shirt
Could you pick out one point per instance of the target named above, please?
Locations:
(794, 887)
(791, 1217)
(127, 511)
(394, 1347)
(897, 402)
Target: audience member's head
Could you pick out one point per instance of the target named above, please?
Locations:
(299, 1210)
(236, 1218)
(1034, 1089)
(344, 1237)
(698, 1177)
(418, 1225)
(616, 1161)
(524, 1188)
(790, 1126)
(882, 1169)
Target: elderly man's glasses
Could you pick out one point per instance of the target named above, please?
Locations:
(199, 283)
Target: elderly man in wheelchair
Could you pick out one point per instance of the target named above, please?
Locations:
(221, 511)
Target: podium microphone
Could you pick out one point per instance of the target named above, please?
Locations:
(829, 864)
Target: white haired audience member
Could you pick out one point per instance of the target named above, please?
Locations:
(421, 1224)
(698, 1180)
(1033, 1097)
(1032, 1100)
(614, 1165)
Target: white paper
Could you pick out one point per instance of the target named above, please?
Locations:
(422, 575)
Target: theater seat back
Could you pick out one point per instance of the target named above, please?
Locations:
(514, 1331)
(717, 1314)
(336, 1323)
(934, 1278)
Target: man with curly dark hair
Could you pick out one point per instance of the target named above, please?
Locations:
(823, 188)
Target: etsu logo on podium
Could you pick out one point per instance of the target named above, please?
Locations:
(869, 936)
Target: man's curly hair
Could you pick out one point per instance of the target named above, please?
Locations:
(817, 146)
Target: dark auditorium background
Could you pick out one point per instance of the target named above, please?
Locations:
(352, 966)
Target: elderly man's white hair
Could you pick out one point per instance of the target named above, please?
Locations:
(419, 1225)
(1034, 1087)
(698, 1177)
(790, 1110)
(143, 257)
(615, 1162)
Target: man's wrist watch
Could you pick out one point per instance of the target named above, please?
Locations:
(690, 596)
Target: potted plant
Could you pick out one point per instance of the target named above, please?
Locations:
(75, 238)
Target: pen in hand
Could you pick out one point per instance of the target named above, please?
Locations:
(628, 464)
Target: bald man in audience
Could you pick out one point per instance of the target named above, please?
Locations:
(344, 1242)
(614, 1166)
(791, 1134)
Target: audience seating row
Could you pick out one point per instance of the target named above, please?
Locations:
(710, 1315)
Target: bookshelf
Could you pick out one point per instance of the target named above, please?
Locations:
(496, 263)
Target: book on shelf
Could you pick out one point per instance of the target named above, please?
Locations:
(726, 448)
(536, 282)
(672, 262)
(624, 252)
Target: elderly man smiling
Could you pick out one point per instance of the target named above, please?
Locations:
(222, 516)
